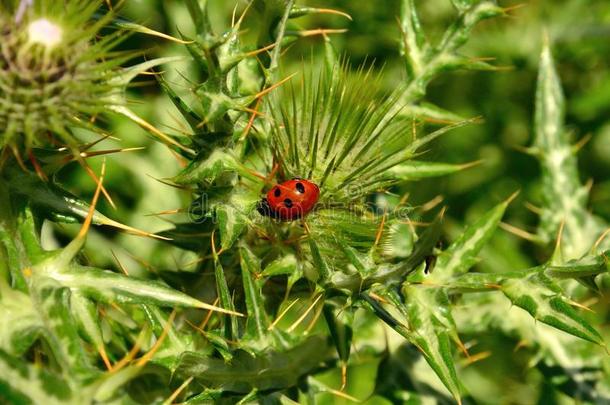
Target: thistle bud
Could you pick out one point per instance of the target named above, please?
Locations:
(54, 73)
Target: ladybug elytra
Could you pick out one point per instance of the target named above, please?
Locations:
(290, 200)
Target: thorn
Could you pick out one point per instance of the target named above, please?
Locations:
(477, 357)
(536, 210)
(18, 158)
(432, 203)
(148, 126)
(581, 306)
(333, 11)
(37, 167)
(148, 356)
(251, 120)
(131, 354)
(166, 212)
(281, 315)
(343, 376)
(302, 317)
(520, 344)
(520, 232)
(341, 394)
(92, 144)
(87, 223)
(314, 319)
(319, 31)
(600, 240)
(273, 87)
(380, 229)
(532, 151)
(109, 151)
(208, 316)
(92, 174)
(512, 197)
(378, 298)
(118, 262)
(131, 230)
(170, 400)
(581, 143)
(557, 251)
(260, 50)
(102, 351)
(514, 7)
(469, 165)
(415, 223)
(243, 14)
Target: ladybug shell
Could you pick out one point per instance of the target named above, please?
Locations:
(292, 199)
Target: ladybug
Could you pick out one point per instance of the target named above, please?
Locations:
(290, 200)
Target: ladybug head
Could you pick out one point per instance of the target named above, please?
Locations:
(265, 210)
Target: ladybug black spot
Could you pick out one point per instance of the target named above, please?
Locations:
(277, 192)
(300, 188)
(288, 202)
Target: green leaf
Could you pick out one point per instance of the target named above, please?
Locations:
(232, 216)
(564, 198)
(270, 370)
(428, 325)
(461, 255)
(321, 266)
(61, 333)
(112, 287)
(20, 324)
(339, 322)
(587, 266)
(546, 302)
(226, 300)
(413, 45)
(417, 170)
(209, 168)
(25, 384)
(286, 264)
(257, 321)
(431, 328)
(430, 112)
(85, 315)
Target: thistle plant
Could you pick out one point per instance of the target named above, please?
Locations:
(268, 306)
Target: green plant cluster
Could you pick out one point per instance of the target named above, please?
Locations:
(377, 295)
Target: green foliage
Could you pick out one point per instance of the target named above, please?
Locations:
(376, 295)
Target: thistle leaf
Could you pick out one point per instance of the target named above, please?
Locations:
(61, 333)
(339, 322)
(22, 383)
(286, 264)
(428, 326)
(588, 266)
(545, 301)
(266, 371)
(461, 255)
(20, 324)
(564, 198)
(431, 329)
(417, 170)
(257, 321)
(112, 287)
(413, 45)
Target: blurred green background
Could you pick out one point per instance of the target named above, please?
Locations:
(579, 31)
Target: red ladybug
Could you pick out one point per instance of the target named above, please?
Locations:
(290, 200)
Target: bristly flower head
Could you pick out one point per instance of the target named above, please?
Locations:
(54, 72)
